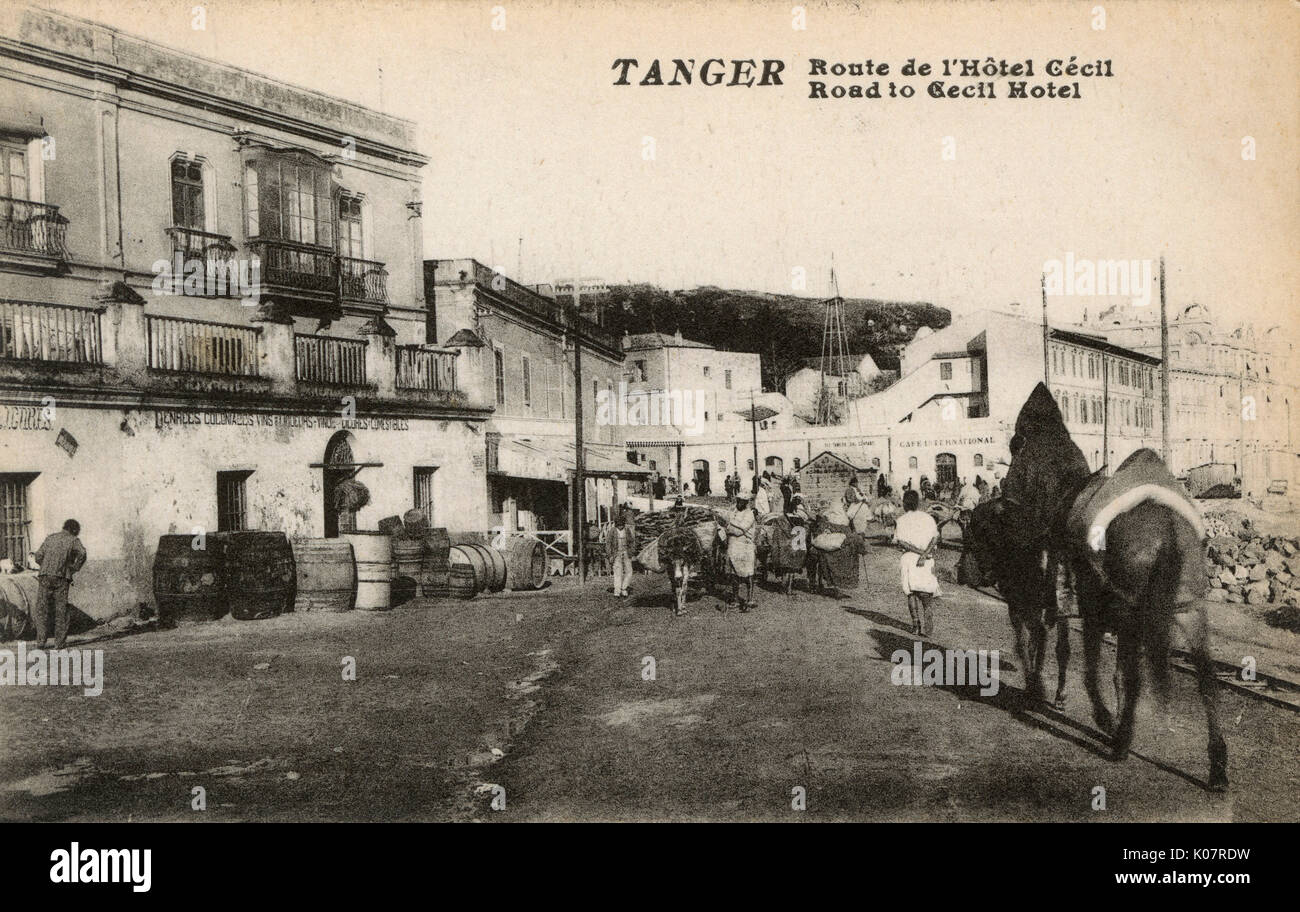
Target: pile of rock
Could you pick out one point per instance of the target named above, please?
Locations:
(1248, 567)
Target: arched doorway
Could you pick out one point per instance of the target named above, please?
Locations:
(945, 469)
(340, 467)
(775, 465)
(701, 476)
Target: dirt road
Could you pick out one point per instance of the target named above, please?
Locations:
(569, 704)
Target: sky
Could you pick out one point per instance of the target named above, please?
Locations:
(529, 138)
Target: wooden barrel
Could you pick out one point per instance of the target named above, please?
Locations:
(496, 562)
(462, 581)
(188, 583)
(259, 573)
(374, 555)
(408, 556)
(525, 562)
(390, 525)
(415, 523)
(472, 556)
(436, 583)
(327, 574)
(489, 565)
(436, 545)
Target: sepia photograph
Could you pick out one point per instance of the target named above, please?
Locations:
(570, 411)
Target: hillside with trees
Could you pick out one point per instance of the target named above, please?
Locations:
(784, 329)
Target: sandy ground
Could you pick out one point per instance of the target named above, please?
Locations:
(548, 696)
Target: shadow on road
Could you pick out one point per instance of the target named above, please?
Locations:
(1011, 700)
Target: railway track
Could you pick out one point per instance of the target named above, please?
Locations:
(1266, 687)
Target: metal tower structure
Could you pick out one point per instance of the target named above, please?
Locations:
(835, 356)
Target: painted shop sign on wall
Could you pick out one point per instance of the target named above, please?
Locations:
(245, 419)
(945, 442)
(24, 418)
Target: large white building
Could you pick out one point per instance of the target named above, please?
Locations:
(1231, 391)
(951, 414)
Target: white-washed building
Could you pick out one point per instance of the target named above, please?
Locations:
(289, 355)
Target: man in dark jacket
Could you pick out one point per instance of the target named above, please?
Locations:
(60, 556)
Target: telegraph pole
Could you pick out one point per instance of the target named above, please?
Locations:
(1105, 412)
(579, 457)
(753, 427)
(1042, 289)
(1164, 372)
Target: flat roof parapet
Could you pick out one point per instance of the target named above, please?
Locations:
(95, 50)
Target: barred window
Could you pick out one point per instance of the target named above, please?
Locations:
(423, 480)
(14, 521)
(232, 501)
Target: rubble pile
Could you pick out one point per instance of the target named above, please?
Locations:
(1247, 567)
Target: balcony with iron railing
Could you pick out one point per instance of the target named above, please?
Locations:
(319, 278)
(363, 281)
(117, 345)
(32, 231)
(547, 309)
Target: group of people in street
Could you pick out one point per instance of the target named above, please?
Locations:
(916, 534)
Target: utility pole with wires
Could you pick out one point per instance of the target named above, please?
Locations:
(1042, 287)
(834, 353)
(579, 455)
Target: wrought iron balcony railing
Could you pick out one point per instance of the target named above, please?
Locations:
(363, 280)
(302, 267)
(32, 228)
(193, 244)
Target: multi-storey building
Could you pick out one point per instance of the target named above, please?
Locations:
(518, 353)
(211, 308)
(952, 413)
(1231, 392)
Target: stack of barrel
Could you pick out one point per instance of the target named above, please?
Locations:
(421, 557)
(251, 575)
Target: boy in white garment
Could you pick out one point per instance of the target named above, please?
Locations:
(918, 535)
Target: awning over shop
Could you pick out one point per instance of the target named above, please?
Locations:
(654, 436)
(548, 459)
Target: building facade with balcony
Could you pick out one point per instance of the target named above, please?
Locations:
(1232, 392)
(211, 308)
(517, 352)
